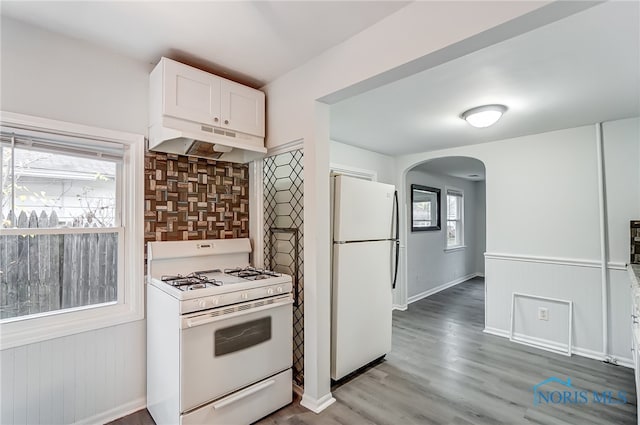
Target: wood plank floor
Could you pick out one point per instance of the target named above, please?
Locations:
(444, 370)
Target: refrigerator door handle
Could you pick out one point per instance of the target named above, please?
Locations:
(397, 238)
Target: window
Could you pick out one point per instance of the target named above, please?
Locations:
(73, 194)
(455, 214)
(69, 209)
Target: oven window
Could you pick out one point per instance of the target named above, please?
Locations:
(245, 335)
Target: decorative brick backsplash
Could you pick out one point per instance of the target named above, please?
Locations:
(635, 241)
(193, 198)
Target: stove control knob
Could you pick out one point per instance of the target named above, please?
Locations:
(244, 296)
(202, 303)
(279, 289)
(270, 291)
(214, 301)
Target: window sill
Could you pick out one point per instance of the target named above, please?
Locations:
(455, 248)
(16, 333)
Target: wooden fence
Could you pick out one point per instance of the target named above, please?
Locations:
(40, 273)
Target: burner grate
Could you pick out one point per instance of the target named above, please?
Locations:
(251, 273)
(191, 281)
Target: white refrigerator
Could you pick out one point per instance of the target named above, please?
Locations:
(365, 267)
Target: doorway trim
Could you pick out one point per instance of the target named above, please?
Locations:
(359, 173)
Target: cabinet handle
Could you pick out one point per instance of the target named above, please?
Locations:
(242, 394)
(226, 121)
(216, 119)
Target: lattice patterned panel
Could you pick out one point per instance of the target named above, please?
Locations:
(194, 198)
(283, 214)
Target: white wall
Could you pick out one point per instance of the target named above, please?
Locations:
(543, 224)
(542, 195)
(429, 265)
(52, 76)
(343, 155)
(93, 376)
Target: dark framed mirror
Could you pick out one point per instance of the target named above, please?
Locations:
(425, 208)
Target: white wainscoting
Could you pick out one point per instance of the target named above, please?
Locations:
(620, 322)
(91, 377)
(442, 287)
(591, 354)
(577, 280)
(540, 339)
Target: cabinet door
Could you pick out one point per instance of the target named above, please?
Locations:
(242, 108)
(191, 94)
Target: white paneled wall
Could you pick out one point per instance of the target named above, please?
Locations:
(565, 279)
(619, 314)
(90, 377)
(545, 277)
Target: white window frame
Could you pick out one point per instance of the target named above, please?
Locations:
(129, 307)
(461, 245)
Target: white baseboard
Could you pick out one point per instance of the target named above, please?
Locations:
(399, 307)
(541, 343)
(582, 352)
(598, 355)
(115, 413)
(496, 332)
(317, 405)
(625, 362)
(480, 275)
(442, 287)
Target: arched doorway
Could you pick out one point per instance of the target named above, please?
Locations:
(446, 235)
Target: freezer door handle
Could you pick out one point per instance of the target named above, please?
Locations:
(395, 274)
(397, 239)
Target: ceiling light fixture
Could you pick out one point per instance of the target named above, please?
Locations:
(483, 116)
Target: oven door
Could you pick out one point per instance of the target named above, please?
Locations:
(226, 349)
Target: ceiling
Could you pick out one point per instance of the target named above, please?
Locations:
(576, 71)
(252, 42)
(454, 166)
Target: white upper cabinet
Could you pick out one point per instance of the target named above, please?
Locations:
(242, 108)
(194, 95)
(191, 94)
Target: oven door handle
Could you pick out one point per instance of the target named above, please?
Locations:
(203, 319)
(243, 394)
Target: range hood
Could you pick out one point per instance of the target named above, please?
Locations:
(189, 138)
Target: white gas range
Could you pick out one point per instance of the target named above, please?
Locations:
(219, 334)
